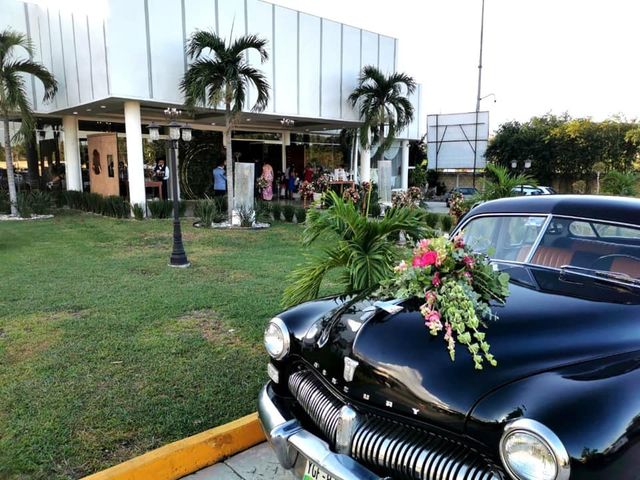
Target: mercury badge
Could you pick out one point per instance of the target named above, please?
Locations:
(349, 368)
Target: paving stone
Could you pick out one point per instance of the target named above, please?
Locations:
(219, 471)
(259, 463)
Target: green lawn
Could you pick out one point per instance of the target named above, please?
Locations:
(105, 352)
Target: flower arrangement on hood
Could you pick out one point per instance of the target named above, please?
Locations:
(456, 286)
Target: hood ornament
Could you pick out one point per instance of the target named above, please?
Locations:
(350, 366)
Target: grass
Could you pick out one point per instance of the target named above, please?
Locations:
(107, 353)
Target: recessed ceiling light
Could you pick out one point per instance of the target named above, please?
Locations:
(213, 123)
(306, 129)
(248, 119)
(75, 113)
(103, 106)
(88, 109)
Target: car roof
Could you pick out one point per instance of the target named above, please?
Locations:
(599, 207)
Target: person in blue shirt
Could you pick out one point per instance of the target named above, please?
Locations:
(219, 181)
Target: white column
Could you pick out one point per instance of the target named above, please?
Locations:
(135, 162)
(73, 170)
(365, 164)
(404, 176)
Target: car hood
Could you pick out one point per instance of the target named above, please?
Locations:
(548, 321)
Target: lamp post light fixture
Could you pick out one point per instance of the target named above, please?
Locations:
(176, 131)
(287, 122)
(527, 166)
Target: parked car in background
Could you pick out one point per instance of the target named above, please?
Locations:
(526, 190)
(359, 390)
(466, 192)
(547, 190)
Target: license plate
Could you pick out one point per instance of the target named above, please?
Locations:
(313, 472)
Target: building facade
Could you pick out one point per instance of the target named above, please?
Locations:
(122, 61)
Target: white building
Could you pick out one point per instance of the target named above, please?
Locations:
(120, 61)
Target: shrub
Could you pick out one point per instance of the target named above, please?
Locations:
(301, 214)
(374, 210)
(246, 215)
(206, 211)
(76, 200)
(160, 208)
(288, 211)
(620, 183)
(446, 222)
(5, 205)
(182, 207)
(138, 211)
(263, 212)
(432, 220)
(41, 202)
(276, 210)
(23, 204)
(114, 206)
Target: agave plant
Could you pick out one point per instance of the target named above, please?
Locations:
(361, 248)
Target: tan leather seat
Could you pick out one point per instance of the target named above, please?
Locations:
(552, 257)
(626, 265)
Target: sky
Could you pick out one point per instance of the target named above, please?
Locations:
(539, 56)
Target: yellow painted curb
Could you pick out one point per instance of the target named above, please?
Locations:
(188, 455)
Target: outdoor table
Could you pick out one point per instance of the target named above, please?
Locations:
(153, 184)
(339, 186)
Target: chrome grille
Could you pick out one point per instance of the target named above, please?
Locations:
(323, 408)
(400, 450)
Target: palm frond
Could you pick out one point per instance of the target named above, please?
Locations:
(249, 42)
(9, 39)
(37, 70)
(201, 40)
(259, 80)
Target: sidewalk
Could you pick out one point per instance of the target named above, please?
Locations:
(257, 463)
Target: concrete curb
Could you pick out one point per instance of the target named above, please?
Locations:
(190, 454)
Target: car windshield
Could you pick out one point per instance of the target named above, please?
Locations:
(565, 242)
(468, 191)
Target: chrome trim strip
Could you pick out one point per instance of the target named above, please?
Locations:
(546, 436)
(536, 242)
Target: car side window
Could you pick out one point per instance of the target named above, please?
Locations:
(503, 237)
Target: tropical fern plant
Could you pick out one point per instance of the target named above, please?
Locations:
(501, 183)
(14, 73)
(621, 183)
(220, 74)
(360, 247)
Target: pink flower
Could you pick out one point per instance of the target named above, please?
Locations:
(435, 281)
(401, 267)
(430, 297)
(433, 321)
(468, 277)
(458, 241)
(468, 261)
(447, 331)
(424, 243)
(428, 258)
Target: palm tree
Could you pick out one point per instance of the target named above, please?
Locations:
(13, 94)
(383, 101)
(502, 183)
(359, 247)
(224, 76)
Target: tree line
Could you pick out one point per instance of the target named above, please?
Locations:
(572, 149)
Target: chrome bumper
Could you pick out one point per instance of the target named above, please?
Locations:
(294, 445)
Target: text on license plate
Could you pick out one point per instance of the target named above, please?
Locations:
(313, 472)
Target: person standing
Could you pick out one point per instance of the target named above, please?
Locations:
(219, 181)
(161, 173)
(267, 175)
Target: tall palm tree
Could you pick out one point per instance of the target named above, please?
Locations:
(383, 102)
(13, 94)
(359, 247)
(224, 76)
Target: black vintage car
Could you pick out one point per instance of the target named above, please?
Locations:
(360, 390)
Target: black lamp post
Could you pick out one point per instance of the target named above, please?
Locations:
(178, 255)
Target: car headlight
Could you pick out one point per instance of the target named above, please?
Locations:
(276, 339)
(530, 451)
